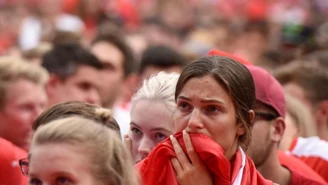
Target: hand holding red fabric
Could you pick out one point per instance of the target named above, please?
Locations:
(189, 169)
(156, 169)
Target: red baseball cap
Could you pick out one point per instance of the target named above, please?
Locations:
(268, 90)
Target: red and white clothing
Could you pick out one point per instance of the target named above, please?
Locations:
(298, 178)
(156, 169)
(299, 170)
(313, 152)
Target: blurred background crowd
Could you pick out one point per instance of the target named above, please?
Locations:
(256, 30)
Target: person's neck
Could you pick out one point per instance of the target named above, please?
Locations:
(51, 102)
(271, 169)
(322, 131)
(108, 106)
(230, 153)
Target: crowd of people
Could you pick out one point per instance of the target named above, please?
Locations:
(163, 92)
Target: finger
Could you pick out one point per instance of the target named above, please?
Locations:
(190, 149)
(128, 144)
(176, 166)
(181, 156)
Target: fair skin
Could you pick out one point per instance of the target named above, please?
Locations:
(204, 106)
(263, 149)
(58, 164)
(151, 123)
(201, 105)
(260, 146)
(82, 86)
(24, 101)
(113, 74)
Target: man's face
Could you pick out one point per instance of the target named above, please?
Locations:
(25, 100)
(261, 144)
(112, 75)
(82, 86)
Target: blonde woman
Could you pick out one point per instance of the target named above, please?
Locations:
(299, 122)
(78, 151)
(152, 109)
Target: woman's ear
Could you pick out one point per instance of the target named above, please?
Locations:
(241, 127)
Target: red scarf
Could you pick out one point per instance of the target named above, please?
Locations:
(156, 169)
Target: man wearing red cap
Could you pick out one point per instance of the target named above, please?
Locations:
(268, 129)
(308, 82)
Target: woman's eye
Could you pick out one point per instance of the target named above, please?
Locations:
(212, 109)
(63, 181)
(183, 106)
(135, 131)
(160, 137)
(34, 181)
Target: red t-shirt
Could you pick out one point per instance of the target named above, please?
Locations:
(10, 173)
(300, 171)
(313, 152)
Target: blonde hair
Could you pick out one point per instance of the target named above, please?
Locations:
(110, 161)
(159, 87)
(302, 116)
(12, 69)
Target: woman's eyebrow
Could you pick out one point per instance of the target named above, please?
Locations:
(160, 129)
(213, 101)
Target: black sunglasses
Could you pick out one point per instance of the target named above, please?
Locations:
(266, 116)
(23, 163)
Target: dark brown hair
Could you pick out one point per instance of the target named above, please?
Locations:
(85, 110)
(64, 59)
(234, 77)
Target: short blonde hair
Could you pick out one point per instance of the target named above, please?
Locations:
(12, 69)
(159, 87)
(109, 160)
(302, 116)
